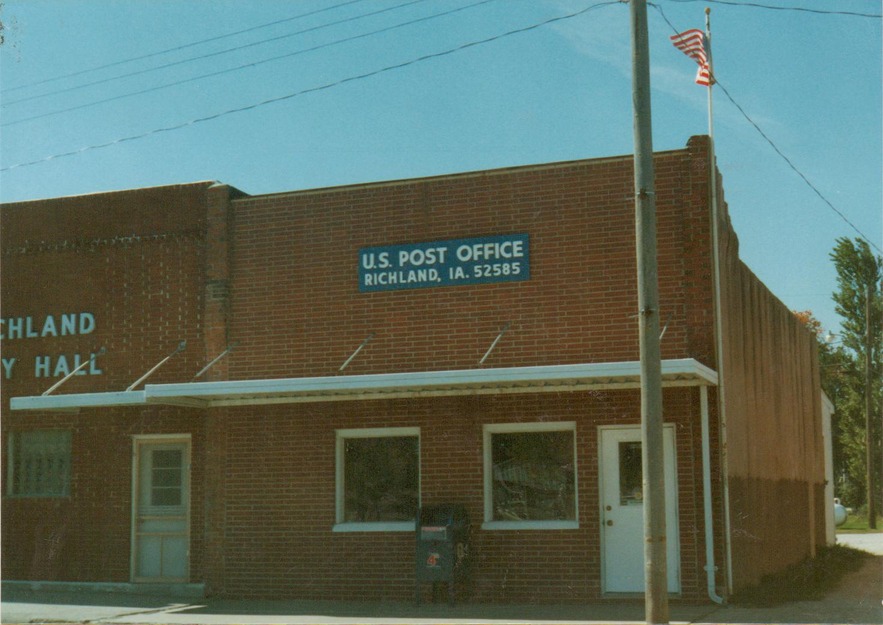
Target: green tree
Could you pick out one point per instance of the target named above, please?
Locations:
(835, 363)
(858, 300)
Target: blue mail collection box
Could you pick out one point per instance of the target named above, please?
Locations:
(443, 547)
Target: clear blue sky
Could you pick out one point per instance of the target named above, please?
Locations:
(811, 82)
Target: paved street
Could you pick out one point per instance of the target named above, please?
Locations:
(872, 543)
(856, 600)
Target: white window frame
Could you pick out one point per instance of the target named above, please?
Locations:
(339, 488)
(14, 464)
(513, 428)
(139, 441)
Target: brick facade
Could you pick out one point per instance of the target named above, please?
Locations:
(134, 261)
(277, 275)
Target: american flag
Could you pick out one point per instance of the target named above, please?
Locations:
(692, 43)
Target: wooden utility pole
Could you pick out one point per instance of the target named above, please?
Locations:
(655, 566)
(869, 447)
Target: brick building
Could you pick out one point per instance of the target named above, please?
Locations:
(465, 339)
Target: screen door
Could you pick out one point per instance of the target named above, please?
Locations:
(161, 550)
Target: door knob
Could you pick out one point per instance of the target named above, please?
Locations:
(609, 522)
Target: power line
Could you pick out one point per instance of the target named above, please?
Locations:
(793, 166)
(788, 161)
(249, 65)
(177, 48)
(324, 87)
(757, 5)
(204, 56)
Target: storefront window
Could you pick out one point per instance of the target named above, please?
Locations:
(531, 475)
(378, 477)
(39, 463)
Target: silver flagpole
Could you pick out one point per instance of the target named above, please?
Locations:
(710, 83)
(719, 347)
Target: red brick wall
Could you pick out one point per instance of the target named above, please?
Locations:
(279, 275)
(297, 309)
(134, 261)
(94, 522)
(279, 501)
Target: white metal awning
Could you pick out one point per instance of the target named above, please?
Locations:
(507, 380)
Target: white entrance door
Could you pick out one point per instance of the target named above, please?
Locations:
(161, 533)
(622, 510)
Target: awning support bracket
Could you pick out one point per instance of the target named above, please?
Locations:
(229, 349)
(100, 352)
(667, 321)
(177, 351)
(356, 353)
(503, 331)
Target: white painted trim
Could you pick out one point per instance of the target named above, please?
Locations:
(378, 432)
(827, 442)
(79, 400)
(390, 526)
(138, 440)
(383, 526)
(530, 525)
(530, 426)
(163, 438)
(497, 381)
(488, 430)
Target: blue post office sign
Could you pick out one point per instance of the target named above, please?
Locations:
(481, 260)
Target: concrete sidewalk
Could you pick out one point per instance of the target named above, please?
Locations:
(856, 600)
(872, 543)
(23, 606)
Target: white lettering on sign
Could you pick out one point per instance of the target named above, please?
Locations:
(67, 324)
(380, 261)
(388, 278)
(483, 260)
(490, 251)
(41, 367)
(8, 364)
(60, 366)
(418, 257)
(50, 326)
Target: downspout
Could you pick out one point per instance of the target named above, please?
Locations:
(710, 567)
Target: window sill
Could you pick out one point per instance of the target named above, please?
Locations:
(530, 525)
(382, 526)
(36, 496)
